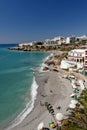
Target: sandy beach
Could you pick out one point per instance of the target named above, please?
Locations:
(53, 89)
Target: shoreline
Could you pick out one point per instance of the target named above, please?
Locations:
(52, 88)
(55, 98)
(29, 106)
(43, 79)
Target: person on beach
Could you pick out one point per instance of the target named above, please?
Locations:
(46, 81)
(41, 104)
(58, 108)
(51, 91)
(43, 95)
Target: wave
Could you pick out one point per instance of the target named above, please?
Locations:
(51, 55)
(42, 67)
(43, 64)
(29, 106)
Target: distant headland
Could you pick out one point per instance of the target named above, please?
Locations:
(57, 43)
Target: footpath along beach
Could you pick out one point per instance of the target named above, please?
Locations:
(54, 89)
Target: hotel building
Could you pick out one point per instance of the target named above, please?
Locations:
(79, 56)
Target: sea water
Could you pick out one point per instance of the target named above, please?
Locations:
(17, 83)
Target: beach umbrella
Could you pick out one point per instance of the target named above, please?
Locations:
(59, 116)
(74, 97)
(75, 91)
(40, 126)
(73, 94)
(74, 102)
(73, 81)
(74, 86)
(72, 106)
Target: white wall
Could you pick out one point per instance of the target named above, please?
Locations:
(67, 40)
(65, 65)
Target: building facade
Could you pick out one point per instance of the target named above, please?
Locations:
(79, 56)
(71, 39)
(56, 40)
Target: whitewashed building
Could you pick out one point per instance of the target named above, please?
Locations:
(65, 64)
(56, 40)
(71, 39)
(21, 45)
(79, 56)
(84, 37)
(67, 40)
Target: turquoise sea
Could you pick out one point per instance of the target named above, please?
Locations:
(17, 84)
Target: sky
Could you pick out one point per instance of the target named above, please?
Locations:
(35, 20)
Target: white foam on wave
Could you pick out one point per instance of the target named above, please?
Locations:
(48, 57)
(43, 64)
(42, 67)
(29, 106)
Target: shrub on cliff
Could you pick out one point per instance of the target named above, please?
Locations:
(78, 118)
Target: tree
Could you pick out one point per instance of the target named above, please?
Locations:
(78, 118)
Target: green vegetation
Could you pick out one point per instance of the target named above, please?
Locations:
(78, 118)
(69, 47)
(40, 46)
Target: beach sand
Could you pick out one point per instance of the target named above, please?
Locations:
(53, 89)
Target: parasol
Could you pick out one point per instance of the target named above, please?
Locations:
(74, 102)
(40, 126)
(59, 116)
(72, 105)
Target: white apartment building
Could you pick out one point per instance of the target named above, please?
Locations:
(79, 56)
(71, 39)
(25, 44)
(56, 40)
(84, 37)
(67, 40)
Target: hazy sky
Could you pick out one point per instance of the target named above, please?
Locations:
(28, 20)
